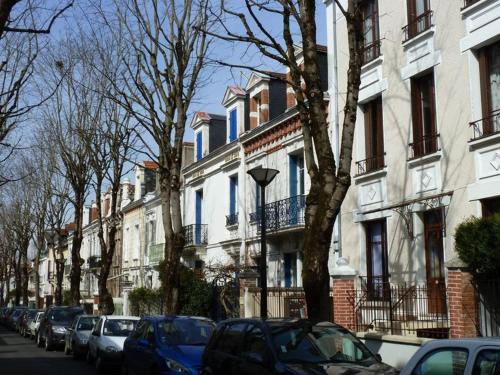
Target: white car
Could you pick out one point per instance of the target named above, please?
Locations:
(464, 357)
(35, 324)
(107, 338)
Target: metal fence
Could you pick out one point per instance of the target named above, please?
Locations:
(282, 214)
(488, 305)
(405, 309)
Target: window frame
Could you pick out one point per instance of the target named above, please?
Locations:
(438, 350)
(369, 229)
(374, 134)
(375, 31)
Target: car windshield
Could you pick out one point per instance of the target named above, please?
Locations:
(306, 344)
(185, 331)
(119, 327)
(17, 313)
(31, 314)
(87, 323)
(63, 315)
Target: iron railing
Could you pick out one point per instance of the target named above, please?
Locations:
(487, 305)
(428, 144)
(486, 126)
(418, 25)
(94, 261)
(282, 214)
(468, 3)
(371, 52)
(156, 253)
(196, 234)
(402, 309)
(232, 219)
(370, 164)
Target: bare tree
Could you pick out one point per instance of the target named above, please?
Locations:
(161, 79)
(296, 48)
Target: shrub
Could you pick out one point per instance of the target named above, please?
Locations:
(477, 242)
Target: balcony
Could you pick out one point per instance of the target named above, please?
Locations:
(156, 253)
(94, 262)
(231, 219)
(370, 164)
(282, 214)
(468, 3)
(486, 126)
(417, 26)
(371, 52)
(426, 145)
(196, 235)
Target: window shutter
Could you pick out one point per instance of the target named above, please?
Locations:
(380, 133)
(416, 111)
(484, 82)
(233, 129)
(368, 131)
(199, 145)
(293, 175)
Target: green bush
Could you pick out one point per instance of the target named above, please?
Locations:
(477, 242)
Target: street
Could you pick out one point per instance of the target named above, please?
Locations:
(20, 356)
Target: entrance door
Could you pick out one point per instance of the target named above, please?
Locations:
(434, 261)
(290, 269)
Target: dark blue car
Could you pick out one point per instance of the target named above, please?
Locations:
(163, 345)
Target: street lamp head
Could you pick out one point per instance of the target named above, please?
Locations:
(263, 176)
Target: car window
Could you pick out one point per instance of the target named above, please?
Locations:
(139, 329)
(64, 315)
(449, 361)
(98, 327)
(185, 331)
(118, 327)
(487, 363)
(86, 323)
(297, 344)
(255, 341)
(231, 339)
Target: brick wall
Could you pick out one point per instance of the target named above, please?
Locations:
(343, 309)
(461, 304)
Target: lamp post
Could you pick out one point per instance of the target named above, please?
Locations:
(263, 177)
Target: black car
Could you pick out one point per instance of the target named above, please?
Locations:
(54, 324)
(14, 317)
(28, 316)
(287, 346)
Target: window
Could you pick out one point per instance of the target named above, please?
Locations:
(442, 362)
(199, 146)
(489, 68)
(257, 198)
(255, 341)
(376, 260)
(374, 137)
(423, 116)
(490, 206)
(233, 125)
(232, 338)
(487, 362)
(232, 218)
(296, 163)
(371, 49)
(150, 235)
(419, 18)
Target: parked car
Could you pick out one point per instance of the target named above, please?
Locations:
(465, 356)
(6, 315)
(166, 345)
(53, 325)
(14, 317)
(34, 324)
(26, 319)
(287, 346)
(107, 338)
(77, 335)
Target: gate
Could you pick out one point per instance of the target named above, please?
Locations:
(488, 305)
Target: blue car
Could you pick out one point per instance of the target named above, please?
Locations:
(162, 345)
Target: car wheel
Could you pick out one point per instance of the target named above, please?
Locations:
(48, 344)
(99, 365)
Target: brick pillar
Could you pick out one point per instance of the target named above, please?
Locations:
(343, 279)
(462, 304)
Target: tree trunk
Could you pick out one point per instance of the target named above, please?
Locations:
(106, 304)
(25, 278)
(76, 261)
(59, 263)
(36, 269)
(5, 10)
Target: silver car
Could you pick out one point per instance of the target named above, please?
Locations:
(464, 356)
(35, 324)
(77, 335)
(107, 339)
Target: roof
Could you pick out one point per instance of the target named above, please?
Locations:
(149, 164)
(237, 90)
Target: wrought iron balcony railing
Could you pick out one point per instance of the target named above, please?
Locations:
(417, 26)
(371, 52)
(468, 3)
(371, 164)
(156, 253)
(487, 126)
(428, 144)
(231, 219)
(282, 214)
(94, 261)
(196, 234)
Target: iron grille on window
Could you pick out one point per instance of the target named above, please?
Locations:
(418, 25)
(468, 3)
(487, 126)
(231, 219)
(371, 52)
(370, 164)
(195, 234)
(426, 145)
(282, 214)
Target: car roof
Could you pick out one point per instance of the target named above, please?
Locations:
(469, 343)
(280, 322)
(66, 308)
(159, 318)
(115, 317)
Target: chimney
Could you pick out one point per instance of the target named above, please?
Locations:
(86, 216)
(290, 94)
(125, 192)
(139, 177)
(93, 212)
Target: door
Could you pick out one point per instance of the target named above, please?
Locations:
(378, 287)
(434, 261)
(132, 351)
(198, 217)
(290, 260)
(255, 354)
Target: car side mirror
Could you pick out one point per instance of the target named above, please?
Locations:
(255, 358)
(378, 357)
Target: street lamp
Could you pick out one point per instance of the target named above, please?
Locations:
(263, 177)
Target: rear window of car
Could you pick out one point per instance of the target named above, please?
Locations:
(87, 323)
(119, 327)
(64, 315)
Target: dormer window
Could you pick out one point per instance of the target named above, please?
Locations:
(233, 125)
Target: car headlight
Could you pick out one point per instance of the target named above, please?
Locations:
(111, 349)
(176, 366)
(57, 329)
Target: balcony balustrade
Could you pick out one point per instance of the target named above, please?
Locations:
(371, 52)
(370, 164)
(418, 26)
(486, 126)
(196, 234)
(282, 214)
(231, 219)
(156, 253)
(428, 144)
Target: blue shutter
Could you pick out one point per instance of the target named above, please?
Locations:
(293, 175)
(199, 145)
(233, 125)
(197, 231)
(233, 183)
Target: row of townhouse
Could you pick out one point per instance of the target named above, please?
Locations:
(426, 157)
